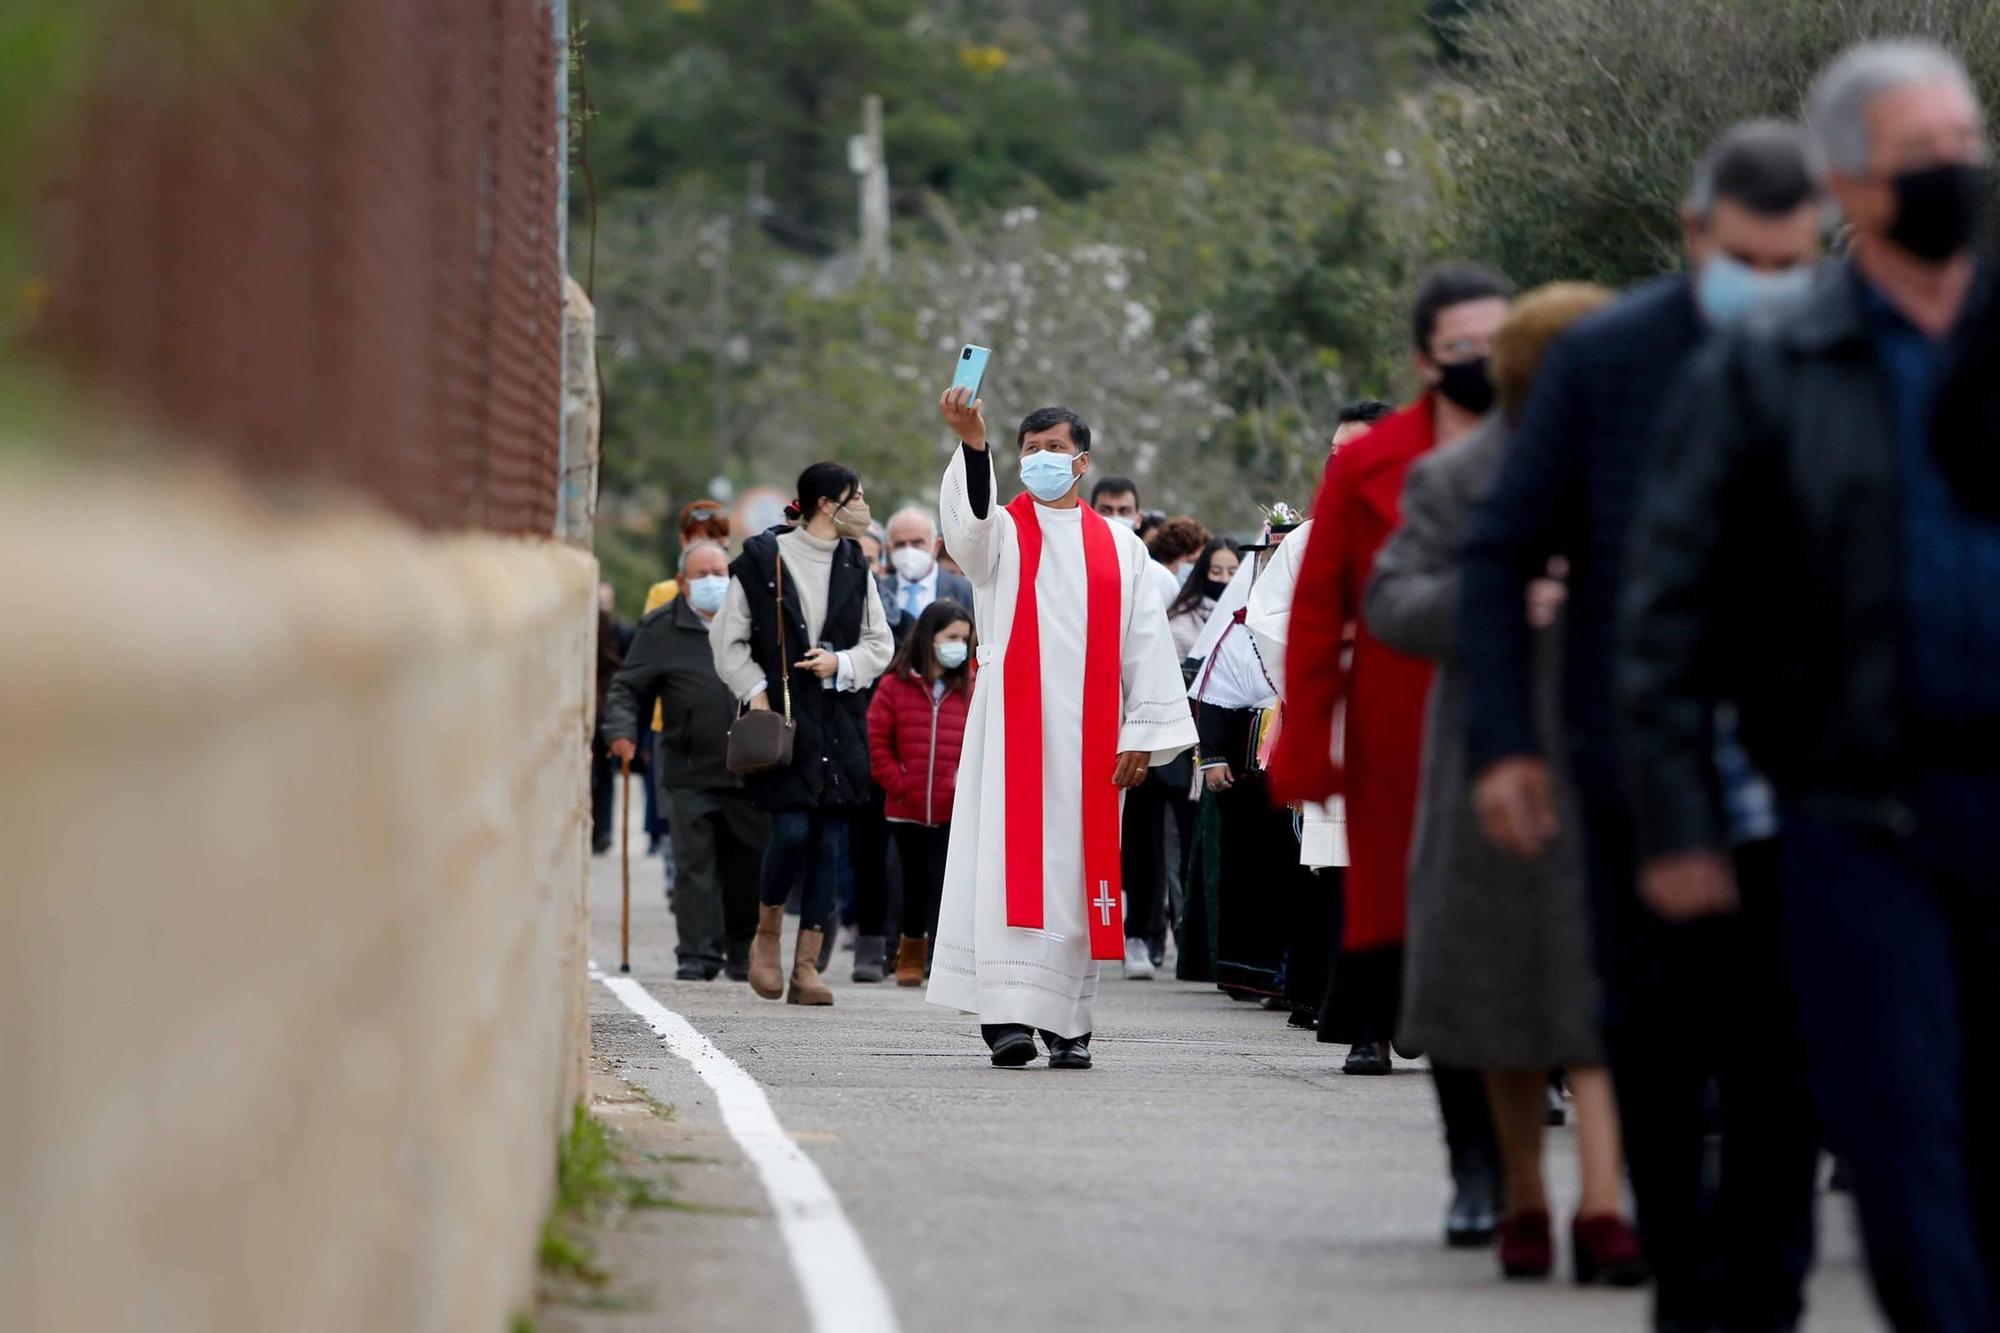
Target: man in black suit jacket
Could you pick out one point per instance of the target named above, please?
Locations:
(1682, 999)
(918, 580)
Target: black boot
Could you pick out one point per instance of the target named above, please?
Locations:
(1012, 1044)
(1474, 1217)
(1068, 1052)
(1474, 1153)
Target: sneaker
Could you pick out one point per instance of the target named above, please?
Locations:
(1138, 960)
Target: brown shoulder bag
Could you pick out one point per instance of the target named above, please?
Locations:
(759, 739)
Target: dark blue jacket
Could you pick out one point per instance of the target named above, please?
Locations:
(1771, 571)
(1569, 486)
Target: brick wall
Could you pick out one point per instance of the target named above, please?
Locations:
(322, 245)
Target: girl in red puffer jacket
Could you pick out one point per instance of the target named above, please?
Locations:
(916, 728)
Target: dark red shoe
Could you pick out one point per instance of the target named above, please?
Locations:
(1606, 1250)
(1527, 1248)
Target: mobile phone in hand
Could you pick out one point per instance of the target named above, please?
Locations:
(971, 371)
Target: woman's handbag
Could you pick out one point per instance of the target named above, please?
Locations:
(761, 740)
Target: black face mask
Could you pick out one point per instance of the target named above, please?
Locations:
(1213, 588)
(1467, 384)
(1937, 209)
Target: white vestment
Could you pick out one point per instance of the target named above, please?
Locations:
(1044, 978)
(1323, 836)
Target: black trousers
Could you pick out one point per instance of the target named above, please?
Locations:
(1895, 950)
(1142, 856)
(868, 857)
(1470, 1141)
(603, 795)
(1696, 1010)
(1306, 940)
(921, 849)
(719, 839)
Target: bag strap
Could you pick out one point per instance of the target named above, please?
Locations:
(784, 657)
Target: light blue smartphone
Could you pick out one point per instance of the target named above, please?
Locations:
(971, 372)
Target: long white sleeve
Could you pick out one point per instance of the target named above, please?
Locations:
(1270, 609)
(729, 644)
(864, 663)
(973, 539)
(1156, 715)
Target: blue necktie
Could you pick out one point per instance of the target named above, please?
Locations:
(912, 600)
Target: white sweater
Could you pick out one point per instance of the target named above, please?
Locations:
(808, 571)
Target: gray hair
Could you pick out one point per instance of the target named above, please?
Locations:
(704, 544)
(1837, 106)
(915, 511)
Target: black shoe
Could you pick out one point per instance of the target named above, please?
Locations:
(1366, 1057)
(1068, 1052)
(1303, 1018)
(1474, 1218)
(697, 970)
(1012, 1044)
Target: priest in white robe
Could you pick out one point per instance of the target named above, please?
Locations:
(1078, 694)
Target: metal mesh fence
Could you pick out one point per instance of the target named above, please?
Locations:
(322, 243)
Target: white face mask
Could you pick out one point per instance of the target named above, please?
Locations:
(951, 654)
(707, 592)
(1128, 520)
(912, 562)
(1048, 475)
(1181, 572)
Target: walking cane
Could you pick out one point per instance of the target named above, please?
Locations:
(625, 867)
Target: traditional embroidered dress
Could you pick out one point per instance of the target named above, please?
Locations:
(1076, 667)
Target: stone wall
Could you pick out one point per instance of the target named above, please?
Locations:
(293, 847)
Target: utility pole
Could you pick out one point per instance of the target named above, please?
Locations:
(719, 349)
(866, 159)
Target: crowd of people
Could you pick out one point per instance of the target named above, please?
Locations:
(1618, 733)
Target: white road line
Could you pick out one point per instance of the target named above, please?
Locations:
(843, 1293)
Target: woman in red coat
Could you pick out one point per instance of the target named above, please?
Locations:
(1457, 311)
(916, 728)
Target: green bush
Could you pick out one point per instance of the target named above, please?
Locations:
(1584, 118)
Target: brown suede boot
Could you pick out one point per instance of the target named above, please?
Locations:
(910, 962)
(807, 988)
(767, 962)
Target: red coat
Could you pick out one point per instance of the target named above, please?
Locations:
(1359, 505)
(914, 742)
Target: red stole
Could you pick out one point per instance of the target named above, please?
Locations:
(1021, 680)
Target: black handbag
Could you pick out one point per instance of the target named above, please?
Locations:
(759, 739)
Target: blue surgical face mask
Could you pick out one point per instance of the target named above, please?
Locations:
(1727, 289)
(706, 593)
(1047, 475)
(951, 654)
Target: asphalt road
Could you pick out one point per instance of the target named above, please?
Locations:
(1214, 1171)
